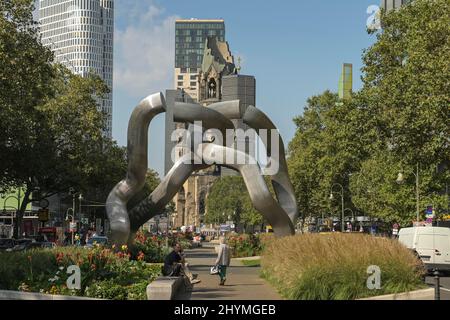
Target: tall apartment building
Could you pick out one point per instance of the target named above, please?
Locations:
(346, 82)
(81, 34)
(393, 4)
(190, 38)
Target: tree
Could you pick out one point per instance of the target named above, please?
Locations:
(51, 135)
(407, 91)
(397, 120)
(229, 197)
(324, 152)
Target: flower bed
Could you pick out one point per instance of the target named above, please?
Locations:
(334, 267)
(152, 248)
(104, 274)
(248, 245)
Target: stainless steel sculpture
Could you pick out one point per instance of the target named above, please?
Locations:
(280, 213)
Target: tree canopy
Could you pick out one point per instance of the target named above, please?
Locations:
(229, 198)
(400, 118)
(51, 130)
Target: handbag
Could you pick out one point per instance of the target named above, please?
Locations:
(214, 270)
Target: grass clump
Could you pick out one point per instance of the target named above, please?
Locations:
(334, 266)
(251, 263)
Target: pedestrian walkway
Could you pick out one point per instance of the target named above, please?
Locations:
(243, 283)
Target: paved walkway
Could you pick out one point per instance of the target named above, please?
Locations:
(243, 283)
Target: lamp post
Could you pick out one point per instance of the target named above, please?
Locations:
(401, 180)
(342, 200)
(12, 214)
(351, 211)
(80, 198)
(73, 221)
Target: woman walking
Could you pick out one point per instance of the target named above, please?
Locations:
(223, 260)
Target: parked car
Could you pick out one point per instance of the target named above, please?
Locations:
(21, 245)
(96, 240)
(6, 244)
(48, 245)
(431, 244)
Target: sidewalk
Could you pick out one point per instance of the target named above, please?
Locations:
(243, 283)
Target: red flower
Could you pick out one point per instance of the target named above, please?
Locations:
(141, 256)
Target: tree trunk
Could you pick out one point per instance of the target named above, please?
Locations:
(19, 214)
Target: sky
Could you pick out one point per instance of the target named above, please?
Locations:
(294, 48)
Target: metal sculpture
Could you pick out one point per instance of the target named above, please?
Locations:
(280, 213)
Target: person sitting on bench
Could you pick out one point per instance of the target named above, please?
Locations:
(176, 266)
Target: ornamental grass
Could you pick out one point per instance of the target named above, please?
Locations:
(335, 266)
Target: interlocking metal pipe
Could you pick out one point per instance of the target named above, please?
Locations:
(116, 204)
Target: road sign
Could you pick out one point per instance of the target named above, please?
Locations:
(43, 215)
(73, 226)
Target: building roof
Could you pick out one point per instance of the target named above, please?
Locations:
(199, 20)
(217, 54)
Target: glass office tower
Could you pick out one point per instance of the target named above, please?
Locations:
(190, 38)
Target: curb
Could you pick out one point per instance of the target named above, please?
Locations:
(17, 295)
(425, 294)
(247, 258)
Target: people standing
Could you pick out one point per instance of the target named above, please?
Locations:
(223, 260)
(395, 229)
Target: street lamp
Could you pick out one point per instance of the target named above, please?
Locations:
(5, 206)
(73, 221)
(351, 211)
(401, 180)
(342, 199)
(80, 198)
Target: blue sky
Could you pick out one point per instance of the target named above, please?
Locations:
(294, 48)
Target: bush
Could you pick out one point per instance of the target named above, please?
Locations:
(152, 248)
(248, 245)
(334, 267)
(104, 273)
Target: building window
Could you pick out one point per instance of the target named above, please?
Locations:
(180, 84)
(180, 77)
(193, 84)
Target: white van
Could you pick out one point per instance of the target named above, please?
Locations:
(432, 245)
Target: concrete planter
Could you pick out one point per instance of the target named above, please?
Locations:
(17, 295)
(425, 294)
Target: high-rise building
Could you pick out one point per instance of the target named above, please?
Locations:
(346, 82)
(81, 34)
(393, 4)
(190, 39)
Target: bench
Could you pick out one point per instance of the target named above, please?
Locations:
(169, 288)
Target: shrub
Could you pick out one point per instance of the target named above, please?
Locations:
(334, 267)
(248, 245)
(104, 273)
(152, 248)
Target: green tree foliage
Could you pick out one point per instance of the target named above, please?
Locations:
(51, 132)
(400, 118)
(229, 197)
(325, 150)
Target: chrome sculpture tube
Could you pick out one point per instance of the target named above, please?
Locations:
(260, 194)
(164, 193)
(257, 120)
(116, 204)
